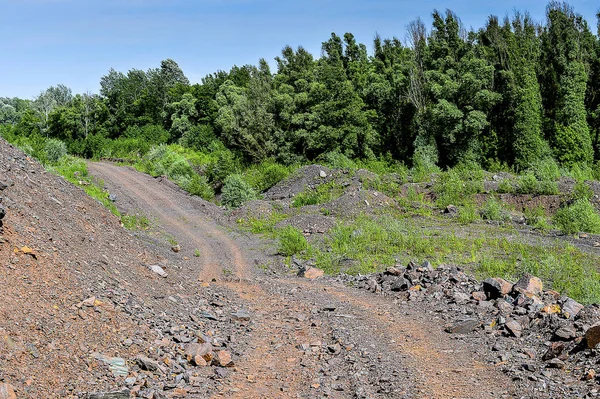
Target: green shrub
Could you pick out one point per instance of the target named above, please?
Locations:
(506, 186)
(322, 194)
(337, 160)
(198, 185)
(493, 210)
(527, 184)
(536, 217)
(267, 174)
(236, 191)
(581, 216)
(55, 150)
(467, 213)
(451, 189)
(582, 191)
(546, 170)
(291, 241)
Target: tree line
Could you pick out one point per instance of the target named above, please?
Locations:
(510, 94)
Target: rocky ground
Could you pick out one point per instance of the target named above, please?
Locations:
(192, 308)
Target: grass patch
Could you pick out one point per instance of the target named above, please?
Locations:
(367, 245)
(322, 194)
(75, 171)
(493, 210)
(135, 222)
(581, 216)
(264, 225)
(291, 241)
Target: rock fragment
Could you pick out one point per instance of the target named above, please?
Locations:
(123, 394)
(463, 327)
(592, 336)
(514, 327)
(529, 285)
(7, 391)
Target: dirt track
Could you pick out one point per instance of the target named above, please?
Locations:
(388, 350)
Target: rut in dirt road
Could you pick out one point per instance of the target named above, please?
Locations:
(383, 351)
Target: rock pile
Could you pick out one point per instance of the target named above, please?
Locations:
(537, 335)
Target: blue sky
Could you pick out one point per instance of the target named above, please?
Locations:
(75, 42)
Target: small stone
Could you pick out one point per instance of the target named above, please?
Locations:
(566, 333)
(240, 315)
(463, 327)
(451, 210)
(322, 174)
(313, 273)
(400, 284)
(589, 375)
(514, 327)
(496, 287)
(146, 363)
(393, 271)
(556, 364)
(551, 309)
(504, 307)
(7, 391)
(176, 248)
(529, 285)
(199, 354)
(555, 350)
(112, 197)
(592, 336)
(158, 270)
(123, 394)
(223, 359)
(479, 296)
(571, 308)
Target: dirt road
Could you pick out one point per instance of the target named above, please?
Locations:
(374, 347)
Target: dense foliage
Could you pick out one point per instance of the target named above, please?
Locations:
(510, 94)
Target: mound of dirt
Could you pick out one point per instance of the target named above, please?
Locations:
(257, 209)
(66, 276)
(306, 177)
(356, 202)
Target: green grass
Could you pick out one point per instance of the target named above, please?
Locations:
(291, 241)
(264, 225)
(197, 253)
(581, 216)
(75, 170)
(135, 222)
(367, 245)
(322, 194)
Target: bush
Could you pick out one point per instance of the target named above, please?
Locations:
(267, 174)
(451, 189)
(546, 170)
(152, 134)
(291, 241)
(198, 185)
(492, 210)
(55, 150)
(527, 184)
(236, 191)
(337, 160)
(581, 216)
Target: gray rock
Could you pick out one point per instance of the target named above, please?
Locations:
(464, 327)
(400, 284)
(146, 363)
(514, 327)
(112, 197)
(571, 307)
(158, 270)
(240, 315)
(566, 333)
(123, 394)
(2, 212)
(322, 174)
(116, 364)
